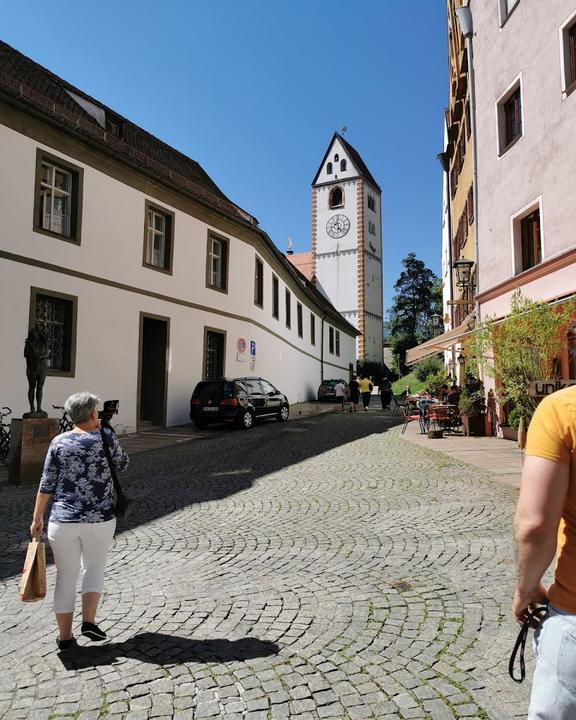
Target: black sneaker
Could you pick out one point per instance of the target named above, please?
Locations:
(92, 631)
(64, 645)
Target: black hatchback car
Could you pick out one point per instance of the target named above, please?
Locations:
(241, 400)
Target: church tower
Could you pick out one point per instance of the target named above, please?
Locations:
(347, 242)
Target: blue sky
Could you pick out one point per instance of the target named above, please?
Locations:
(254, 90)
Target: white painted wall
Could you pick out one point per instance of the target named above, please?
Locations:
(542, 162)
(108, 318)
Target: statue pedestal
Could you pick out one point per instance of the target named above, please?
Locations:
(29, 442)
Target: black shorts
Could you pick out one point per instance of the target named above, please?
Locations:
(340, 400)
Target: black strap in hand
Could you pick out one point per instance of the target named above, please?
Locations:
(111, 464)
(533, 620)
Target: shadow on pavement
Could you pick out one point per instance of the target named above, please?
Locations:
(227, 462)
(160, 649)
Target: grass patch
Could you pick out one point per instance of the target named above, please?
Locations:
(409, 380)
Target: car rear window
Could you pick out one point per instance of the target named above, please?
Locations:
(214, 390)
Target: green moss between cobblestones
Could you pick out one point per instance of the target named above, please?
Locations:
(57, 716)
(104, 706)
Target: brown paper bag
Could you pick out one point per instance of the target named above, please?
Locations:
(33, 583)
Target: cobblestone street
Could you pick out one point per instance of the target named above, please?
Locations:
(326, 568)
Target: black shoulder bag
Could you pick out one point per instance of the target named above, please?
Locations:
(123, 502)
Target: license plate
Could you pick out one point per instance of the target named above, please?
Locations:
(210, 409)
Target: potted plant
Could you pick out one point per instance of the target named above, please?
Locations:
(522, 348)
(472, 406)
(509, 429)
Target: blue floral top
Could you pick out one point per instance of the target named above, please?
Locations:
(76, 472)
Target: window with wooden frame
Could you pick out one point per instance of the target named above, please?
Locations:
(510, 118)
(259, 283)
(288, 298)
(530, 240)
(275, 297)
(572, 55)
(57, 197)
(569, 52)
(331, 340)
(470, 205)
(312, 329)
(336, 197)
(217, 262)
(54, 315)
(158, 238)
(299, 319)
(371, 203)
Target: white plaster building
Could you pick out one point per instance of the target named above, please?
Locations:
(145, 277)
(347, 243)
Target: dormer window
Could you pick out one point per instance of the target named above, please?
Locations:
(343, 165)
(114, 127)
(336, 197)
(329, 169)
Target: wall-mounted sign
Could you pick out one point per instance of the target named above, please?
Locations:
(253, 348)
(241, 345)
(541, 388)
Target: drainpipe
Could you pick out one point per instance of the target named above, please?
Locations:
(464, 15)
(443, 159)
(322, 348)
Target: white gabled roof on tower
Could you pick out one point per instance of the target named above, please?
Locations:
(340, 149)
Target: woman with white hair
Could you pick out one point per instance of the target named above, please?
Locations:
(82, 521)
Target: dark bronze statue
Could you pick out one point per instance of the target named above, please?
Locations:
(36, 354)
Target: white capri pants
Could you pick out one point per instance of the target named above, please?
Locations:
(76, 545)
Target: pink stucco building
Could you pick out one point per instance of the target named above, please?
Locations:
(525, 71)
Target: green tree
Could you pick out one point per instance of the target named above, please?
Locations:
(418, 297)
(522, 348)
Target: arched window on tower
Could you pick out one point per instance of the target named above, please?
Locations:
(329, 169)
(336, 158)
(343, 165)
(336, 197)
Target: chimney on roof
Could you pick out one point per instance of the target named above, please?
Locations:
(290, 251)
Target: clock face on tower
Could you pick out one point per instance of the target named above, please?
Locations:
(338, 226)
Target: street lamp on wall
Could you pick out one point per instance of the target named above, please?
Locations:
(461, 359)
(463, 269)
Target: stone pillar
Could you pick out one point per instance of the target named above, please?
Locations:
(29, 441)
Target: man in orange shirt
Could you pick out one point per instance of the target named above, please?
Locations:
(545, 524)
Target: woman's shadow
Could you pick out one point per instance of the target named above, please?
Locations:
(161, 649)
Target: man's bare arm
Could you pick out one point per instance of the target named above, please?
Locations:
(542, 497)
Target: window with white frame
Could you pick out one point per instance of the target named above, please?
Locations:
(158, 238)
(331, 340)
(299, 320)
(527, 232)
(58, 200)
(568, 33)
(217, 263)
(337, 342)
(312, 329)
(510, 118)
(506, 7)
